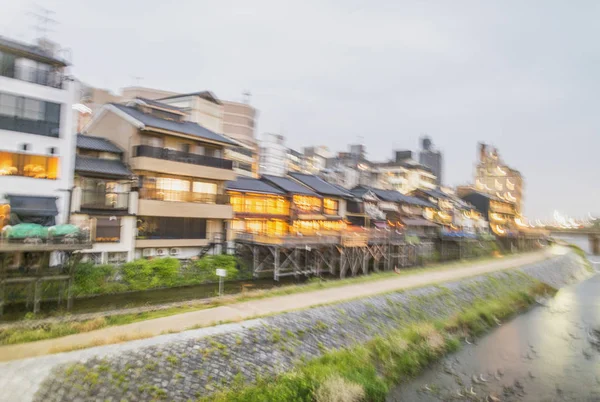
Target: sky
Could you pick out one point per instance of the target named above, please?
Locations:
(521, 75)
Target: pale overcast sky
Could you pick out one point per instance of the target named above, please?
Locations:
(522, 75)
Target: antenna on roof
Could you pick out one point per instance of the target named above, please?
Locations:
(246, 95)
(136, 79)
(43, 21)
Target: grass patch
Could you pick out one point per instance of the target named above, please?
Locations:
(368, 371)
(579, 251)
(31, 332)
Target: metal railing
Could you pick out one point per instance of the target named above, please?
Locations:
(183, 157)
(39, 76)
(104, 200)
(183, 196)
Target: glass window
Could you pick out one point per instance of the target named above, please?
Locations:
(33, 109)
(108, 230)
(207, 188)
(9, 164)
(52, 112)
(155, 227)
(8, 105)
(117, 258)
(7, 64)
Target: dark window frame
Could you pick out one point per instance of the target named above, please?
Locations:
(48, 125)
(172, 228)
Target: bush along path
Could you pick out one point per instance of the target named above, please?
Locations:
(360, 347)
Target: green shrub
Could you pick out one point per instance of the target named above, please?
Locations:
(92, 279)
(204, 269)
(145, 274)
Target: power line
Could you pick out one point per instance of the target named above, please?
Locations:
(44, 21)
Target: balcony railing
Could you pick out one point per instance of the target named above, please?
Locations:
(104, 200)
(183, 196)
(39, 127)
(39, 76)
(183, 157)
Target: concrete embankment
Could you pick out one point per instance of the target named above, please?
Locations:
(191, 367)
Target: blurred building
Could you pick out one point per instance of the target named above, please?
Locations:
(295, 161)
(431, 158)
(316, 158)
(404, 174)
(37, 143)
(234, 119)
(273, 155)
(493, 176)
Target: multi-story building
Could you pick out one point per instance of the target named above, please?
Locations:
(499, 213)
(235, 120)
(431, 158)
(181, 173)
(105, 198)
(273, 155)
(36, 139)
(295, 161)
(404, 174)
(316, 158)
(493, 176)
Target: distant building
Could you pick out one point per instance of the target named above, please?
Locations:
(295, 161)
(404, 174)
(493, 176)
(431, 158)
(316, 158)
(273, 155)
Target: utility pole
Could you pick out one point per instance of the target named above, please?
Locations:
(44, 20)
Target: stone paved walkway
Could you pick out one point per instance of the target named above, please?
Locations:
(262, 307)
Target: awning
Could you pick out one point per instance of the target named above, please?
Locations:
(418, 222)
(32, 205)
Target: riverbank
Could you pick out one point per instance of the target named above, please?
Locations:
(244, 307)
(197, 363)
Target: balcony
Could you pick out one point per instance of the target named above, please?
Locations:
(183, 157)
(39, 127)
(183, 196)
(34, 75)
(91, 199)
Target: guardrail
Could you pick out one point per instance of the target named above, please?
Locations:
(183, 157)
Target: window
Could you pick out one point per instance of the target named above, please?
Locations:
(330, 207)
(152, 141)
(36, 166)
(117, 258)
(156, 227)
(7, 64)
(29, 115)
(108, 229)
(184, 148)
(206, 188)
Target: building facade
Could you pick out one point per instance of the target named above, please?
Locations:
(37, 143)
(105, 199)
(273, 155)
(181, 173)
(404, 174)
(494, 177)
(432, 159)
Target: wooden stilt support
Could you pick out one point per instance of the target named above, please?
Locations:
(37, 297)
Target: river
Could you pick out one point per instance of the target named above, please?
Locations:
(550, 353)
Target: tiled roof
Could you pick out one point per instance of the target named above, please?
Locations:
(105, 167)
(161, 105)
(209, 96)
(247, 184)
(391, 196)
(184, 127)
(97, 144)
(319, 185)
(31, 50)
(288, 185)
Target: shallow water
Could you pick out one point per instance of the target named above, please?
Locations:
(550, 353)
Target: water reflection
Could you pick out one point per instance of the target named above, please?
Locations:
(545, 354)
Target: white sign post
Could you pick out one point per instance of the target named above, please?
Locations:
(221, 273)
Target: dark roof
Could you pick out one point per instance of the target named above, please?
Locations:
(288, 185)
(184, 127)
(418, 222)
(35, 52)
(320, 185)
(97, 144)
(209, 96)
(32, 205)
(391, 196)
(252, 185)
(435, 193)
(104, 167)
(161, 105)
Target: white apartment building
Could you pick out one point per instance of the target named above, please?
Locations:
(273, 155)
(37, 144)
